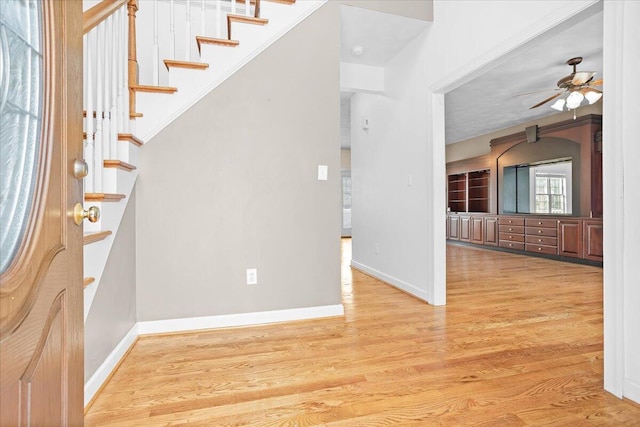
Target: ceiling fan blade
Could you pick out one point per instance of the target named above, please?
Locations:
(582, 77)
(595, 82)
(589, 89)
(546, 100)
(537, 91)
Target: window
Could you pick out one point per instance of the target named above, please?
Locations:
(551, 193)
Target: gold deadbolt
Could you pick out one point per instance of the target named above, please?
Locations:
(80, 168)
(92, 214)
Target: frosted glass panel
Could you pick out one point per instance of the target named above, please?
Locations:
(20, 118)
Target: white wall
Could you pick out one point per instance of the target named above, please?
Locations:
(621, 175)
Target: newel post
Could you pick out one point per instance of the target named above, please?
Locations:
(132, 8)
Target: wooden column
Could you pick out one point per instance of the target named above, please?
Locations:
(132, 8)
(257, 9)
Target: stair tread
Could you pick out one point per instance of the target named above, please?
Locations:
(244, 20)
(92, 237)
(119, 164)
(212, 40)
(154, 89)
(247, 19)
(88, 281)
(131, 138)
(103, 197)
(185, 64)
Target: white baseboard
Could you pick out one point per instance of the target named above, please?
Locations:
(631, 390)
(242, 319)
(393, 281)
(96, 381)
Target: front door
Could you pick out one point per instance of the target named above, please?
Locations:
(41, 322)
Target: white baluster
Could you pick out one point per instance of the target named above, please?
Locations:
(187, 33)
(113, 112)
(97, 157)
(172, 29)
(156, 46)
(247, 7)
(203, 19)
(106, 125)
(218, 20)
(125, 71)
(233, 6)
(89, 54)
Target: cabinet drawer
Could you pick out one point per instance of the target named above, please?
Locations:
(542, 240)
(546, 223)
(512, 237)
(542, 249)
(511, 245)
(511, 221)
(516, 229)
(541, 231)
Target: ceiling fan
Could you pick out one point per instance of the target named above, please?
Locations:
(574, 88)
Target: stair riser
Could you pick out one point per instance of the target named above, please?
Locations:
(128, 152)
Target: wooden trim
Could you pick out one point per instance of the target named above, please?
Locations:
(469, 165)
(98, 13)
(132, 68)
(130, 138)
(212, 40)
(185, 64)
(551, 128)
(88, 281)
(244, 20)
(153, 89)
(103, 197)
(133, 115)
(95, 237)
(119, 164)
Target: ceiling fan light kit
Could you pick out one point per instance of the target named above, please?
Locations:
(576, 87)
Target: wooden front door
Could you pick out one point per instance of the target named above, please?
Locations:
(41, 293)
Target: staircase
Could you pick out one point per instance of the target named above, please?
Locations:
(145, 63)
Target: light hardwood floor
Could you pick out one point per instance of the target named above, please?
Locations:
(519, 343)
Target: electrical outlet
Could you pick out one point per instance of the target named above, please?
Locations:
(252, 276)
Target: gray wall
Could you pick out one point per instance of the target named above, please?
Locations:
(232, 184)
(113, 312)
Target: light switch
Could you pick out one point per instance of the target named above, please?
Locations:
(323, 172)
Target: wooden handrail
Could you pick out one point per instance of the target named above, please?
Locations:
(98, 13)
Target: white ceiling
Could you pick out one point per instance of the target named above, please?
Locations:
(382, 35)
(488, 102)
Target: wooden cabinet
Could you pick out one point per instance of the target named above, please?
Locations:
(541, 236)
(570, 238)
(579, 238)
(478, 191)
(457, 192)
(453, 227)
(491, 230)
(477, 230)
(511, 232)
(465, 229)
(592, 240)
(468, 192)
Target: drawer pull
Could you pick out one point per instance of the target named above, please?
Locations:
(539, 248)
(540, 240)
(511, 229)
(510, 221)
(511, 237)
(539, 222)
(511, 244)
(539, 231)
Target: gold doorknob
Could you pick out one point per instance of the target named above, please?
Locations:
(92, 214)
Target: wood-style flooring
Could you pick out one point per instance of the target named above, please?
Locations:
(518, 344)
